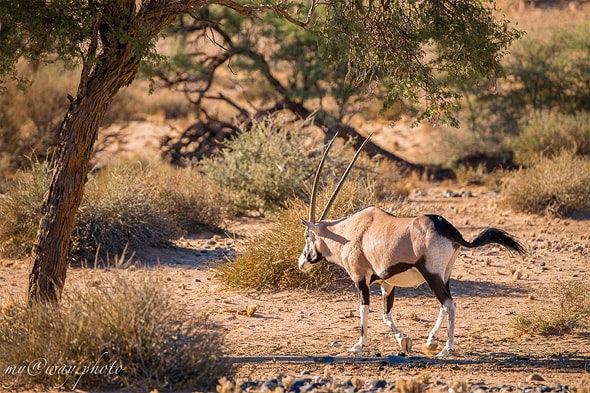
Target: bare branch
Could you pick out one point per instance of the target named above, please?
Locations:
(281, 9)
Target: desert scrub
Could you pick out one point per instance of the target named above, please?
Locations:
(20, 209)
(548, 134)
(268, 163)
(129, 325)
(569, 312)
(128, 204)
(140, 204)
(557, 186)
(268, 260)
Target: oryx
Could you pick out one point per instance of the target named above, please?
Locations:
(375, 247)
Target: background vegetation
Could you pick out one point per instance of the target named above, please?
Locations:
(131, 204)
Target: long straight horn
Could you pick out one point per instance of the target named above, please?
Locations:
(341, 182)
(314, 190)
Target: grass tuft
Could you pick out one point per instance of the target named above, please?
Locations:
(20, 209)
(124, 333)
(570, 313)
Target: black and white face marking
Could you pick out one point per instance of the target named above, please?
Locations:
(310, 254)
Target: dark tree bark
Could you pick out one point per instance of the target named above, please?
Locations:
(77, 135)
(116, 67)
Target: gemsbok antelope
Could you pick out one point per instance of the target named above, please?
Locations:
(375, 247)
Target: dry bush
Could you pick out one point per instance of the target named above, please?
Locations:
(189, 199)
(30, 118)
(20, 209)
(570, 311)
(124, 333)
(129, 204)
(269, 259)
(557, 186)
(139, 204)
(549, 134)
(270, 162)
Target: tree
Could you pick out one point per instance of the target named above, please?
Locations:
(418, 49)
(292, 76)
(281, 67)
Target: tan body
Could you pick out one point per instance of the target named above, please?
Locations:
(371, 241)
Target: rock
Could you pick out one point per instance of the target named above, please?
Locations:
(517, 275)
(269, 386)
(251, 310)
(535, 378)
(357, 382)
(377, 384)
(297, 386)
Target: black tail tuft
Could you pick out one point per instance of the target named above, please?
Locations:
(498, 236)
(490, 235)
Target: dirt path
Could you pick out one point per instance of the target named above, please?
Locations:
(290, 328)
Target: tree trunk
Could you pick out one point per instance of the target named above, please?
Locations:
(77, 136)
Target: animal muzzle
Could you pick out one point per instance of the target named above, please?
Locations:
(304, 264)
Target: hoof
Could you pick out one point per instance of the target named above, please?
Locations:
(356, 348)
(430, 350)
(432, 345)
(445, 352)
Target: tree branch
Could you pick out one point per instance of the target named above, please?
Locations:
(281, 9)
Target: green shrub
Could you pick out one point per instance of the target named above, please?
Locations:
(128, 328)
(548, 134)
(570, 313)
(129, 204)
(269, 259)
(557, 186)
(266, 165)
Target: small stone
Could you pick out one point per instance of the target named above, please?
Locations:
(357, 382)
(378, 384)
(268, 386)
(251, 310)
(535, 378)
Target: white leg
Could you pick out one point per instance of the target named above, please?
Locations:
(404, 341)
(364, 312)
(432, 342)
(449, 308)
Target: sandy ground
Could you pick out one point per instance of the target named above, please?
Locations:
(491, 288)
